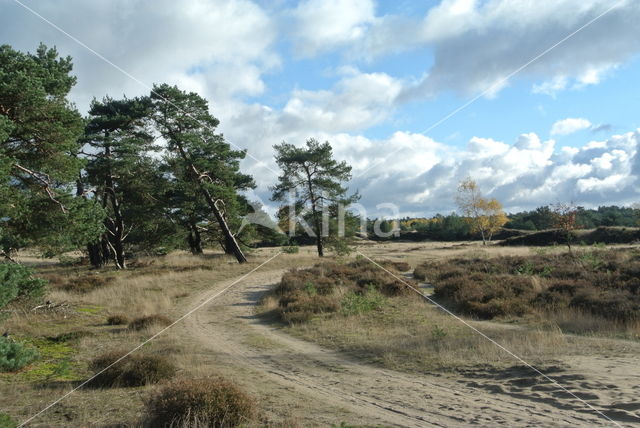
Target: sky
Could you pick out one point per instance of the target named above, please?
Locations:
(536, 100)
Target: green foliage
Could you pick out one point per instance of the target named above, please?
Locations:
(15, 355)
(291, 249)
(438, 333)
(313, 178)
(17, 281)
(39, 132)
(339, 245)
(310, 289)
(528, 268)
(200, 165)
(542, 218)
(445, 228)
(360, 303)
(7, 421)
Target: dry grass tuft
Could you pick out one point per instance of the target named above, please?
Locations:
(199, 402)
(148, 321)
(118, 319)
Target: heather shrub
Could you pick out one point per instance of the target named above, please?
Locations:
(199, 402)
(321, 289)
(133, 370)
(602, 283)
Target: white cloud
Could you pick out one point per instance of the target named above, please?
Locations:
(569, 126)
(221, 47)
(321, 25)
(355, 102)
(525, 175)
(477, 44)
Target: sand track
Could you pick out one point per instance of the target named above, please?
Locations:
(317, 387)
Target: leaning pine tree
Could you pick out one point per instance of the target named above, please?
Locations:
(313, 178)
(202, 158)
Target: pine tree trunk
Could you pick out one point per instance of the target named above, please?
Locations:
(195, 239)
(230, 240)
(105, 250)
(95, 255)
(316, 220)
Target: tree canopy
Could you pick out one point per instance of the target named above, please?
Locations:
(39, 131)
(313, 179)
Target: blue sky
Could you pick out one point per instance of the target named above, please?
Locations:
(372, 76)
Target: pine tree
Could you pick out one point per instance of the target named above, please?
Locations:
(118, 143)
(39, 132)
(200, 158)
(314, 177)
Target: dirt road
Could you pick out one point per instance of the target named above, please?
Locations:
(301, 383)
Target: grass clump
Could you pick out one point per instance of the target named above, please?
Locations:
(15, 355)
(148, 321)
(7, 421)
(199, 402)
(132, 370)
(118, 319)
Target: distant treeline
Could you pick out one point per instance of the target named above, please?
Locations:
(453, 227)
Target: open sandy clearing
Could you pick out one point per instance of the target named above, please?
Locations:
(307, 384)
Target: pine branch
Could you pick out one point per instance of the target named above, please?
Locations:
(45, 183)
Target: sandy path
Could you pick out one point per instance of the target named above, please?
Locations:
(318, 387)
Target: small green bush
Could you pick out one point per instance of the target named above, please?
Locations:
(15, 355)
(17, 281)
(359, 303)
(133, 370)
(291, 249)
(200, 402)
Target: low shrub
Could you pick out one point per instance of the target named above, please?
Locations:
(291, 249)
(85, 283)
(304, 293)
(133, 370)
(117, 319)
(70, 336)
(359, 303)
(149, 321)
(17, 281)
(15, 355)
(199, 402)
(604, 283)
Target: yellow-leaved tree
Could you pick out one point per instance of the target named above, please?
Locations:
(485, 216)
